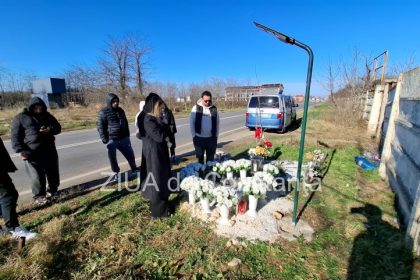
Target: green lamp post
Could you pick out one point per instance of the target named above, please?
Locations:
(288, 40)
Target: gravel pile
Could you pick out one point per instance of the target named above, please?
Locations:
(267, 226)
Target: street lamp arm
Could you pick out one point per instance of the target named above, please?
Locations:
(282, 37)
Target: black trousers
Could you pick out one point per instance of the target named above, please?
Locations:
(8, 201)
(205, 145)
(42, 169)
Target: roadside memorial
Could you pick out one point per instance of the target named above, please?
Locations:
(249, 203)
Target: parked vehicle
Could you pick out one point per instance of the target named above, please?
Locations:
(275, 111)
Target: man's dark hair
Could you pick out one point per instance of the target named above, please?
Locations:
(206, 93)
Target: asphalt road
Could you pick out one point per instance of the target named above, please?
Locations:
(84, 158)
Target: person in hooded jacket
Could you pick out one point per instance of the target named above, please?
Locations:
(33, 138)
(204, 126)
(155, 164)
(9, 197)
(113, 129)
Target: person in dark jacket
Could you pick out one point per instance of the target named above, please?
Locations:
(204, 125)
(155, 164)
(9, 197)
(33, 133)
(113, 129)
(166, 117)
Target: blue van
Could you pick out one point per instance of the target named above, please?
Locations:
(275, 111)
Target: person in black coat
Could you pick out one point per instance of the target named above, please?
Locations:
(113, 129)
(166, 117)
(33, 133)
(9, 197)
(155, 164)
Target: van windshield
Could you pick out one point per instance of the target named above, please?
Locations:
(264, 102)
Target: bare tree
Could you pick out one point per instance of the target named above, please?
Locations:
(123, 62)
(2, 79)
(28, 77)
(137, 54)
(330, 81)
(81, 78)
(115, 62)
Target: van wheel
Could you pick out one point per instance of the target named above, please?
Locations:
(251, 128)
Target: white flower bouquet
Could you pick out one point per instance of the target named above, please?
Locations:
(225, 196)
(224, 167)
(265, 177)
(252, 152)
(253, 186)
(279, 164)
(242, 164)
(190, 183)
(272, 169)
(204, 189)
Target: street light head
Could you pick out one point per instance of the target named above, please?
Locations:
(284, 38)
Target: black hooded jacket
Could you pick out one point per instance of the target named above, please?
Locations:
(112, 123)
(26, 138)
(6, 163)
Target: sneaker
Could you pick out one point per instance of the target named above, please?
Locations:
(41, 201)
(22, 232)
(51, 196)
(133, 174)
(114, 178)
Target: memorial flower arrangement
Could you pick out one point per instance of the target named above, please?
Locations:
(190, 183)
(224, 167)
(210, 164)
(259, 151)
(192, 169)
(271, 169)
(315, 165)
(225, 196)
(200, 188)
(242, 164)
(265, 177)
(278, 164)
(253, 186)
(204, 189)
(263, 145)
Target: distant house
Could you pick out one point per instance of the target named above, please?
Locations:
(51, 90)
(243, 93)
(299, 98)
(183, 99)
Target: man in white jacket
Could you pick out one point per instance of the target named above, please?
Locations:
(204, 125)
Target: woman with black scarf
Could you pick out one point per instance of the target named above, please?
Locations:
(155, 169)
